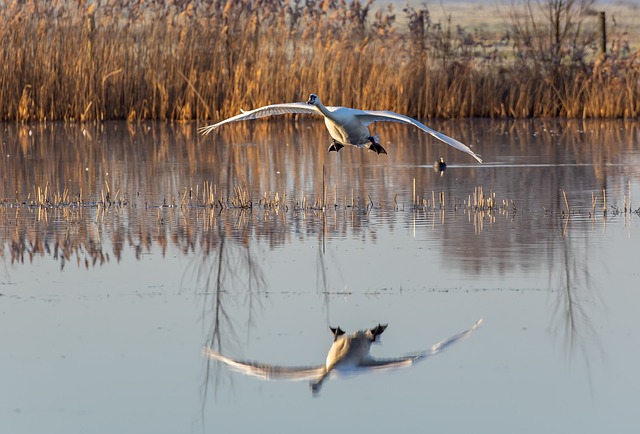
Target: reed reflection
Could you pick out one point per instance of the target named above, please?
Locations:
(577, 299)
(225, 272)
(131, 177)
(159, 162)
(96, 196)
(89, 195)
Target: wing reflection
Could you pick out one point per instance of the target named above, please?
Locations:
(349, 354)
(267, 372)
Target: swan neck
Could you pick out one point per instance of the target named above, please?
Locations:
(324, 110)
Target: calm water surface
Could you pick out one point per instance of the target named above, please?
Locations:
(105, 310)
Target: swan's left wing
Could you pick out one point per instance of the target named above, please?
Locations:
(268, 110)
(411, 359)
(267, 372)
(369, 116)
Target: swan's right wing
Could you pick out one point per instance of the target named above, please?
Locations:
(440, 346)
(411, 359)
(267, 372)
(376, 364)
(367, 117)
(269, 110)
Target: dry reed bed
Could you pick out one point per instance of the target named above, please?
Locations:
(109, 59)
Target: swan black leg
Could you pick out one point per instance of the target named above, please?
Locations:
(375, 147)
(336, 146)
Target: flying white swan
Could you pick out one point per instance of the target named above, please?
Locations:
(347, 126)
(348, 354)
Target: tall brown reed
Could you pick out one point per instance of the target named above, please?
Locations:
(127, 59)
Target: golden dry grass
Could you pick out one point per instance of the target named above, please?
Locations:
(164, 60)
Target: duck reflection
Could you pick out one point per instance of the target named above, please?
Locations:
(349, 354)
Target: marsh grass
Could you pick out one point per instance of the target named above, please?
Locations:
(209, 197)
(125, 59)
(76, 230)
(46, 198)
(92, 229)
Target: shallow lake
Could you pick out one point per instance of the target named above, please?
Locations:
(128, 249)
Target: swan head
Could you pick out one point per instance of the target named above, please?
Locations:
(313, 99)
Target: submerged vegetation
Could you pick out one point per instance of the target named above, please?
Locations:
(185, 60)
(92, 233)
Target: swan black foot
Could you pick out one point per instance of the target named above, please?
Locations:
(377, 331)
(335, 146)
(375, 147)
(336, 332)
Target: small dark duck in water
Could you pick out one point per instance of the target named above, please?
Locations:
(439, 165)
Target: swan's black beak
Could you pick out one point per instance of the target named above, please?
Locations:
(312, 99)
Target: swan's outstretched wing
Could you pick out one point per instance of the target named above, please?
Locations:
(376, 364)
(411, 359)
(440, 346)
(369, 116)
(267, 372)
(298, 373)
(268, 110)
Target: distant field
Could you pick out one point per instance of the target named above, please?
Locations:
(492, 18)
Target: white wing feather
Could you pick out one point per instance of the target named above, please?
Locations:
(367, 117)
(440, 346)
(267, 372)
(269, 110)
(414, 358)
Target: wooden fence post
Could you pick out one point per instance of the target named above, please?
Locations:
(602, 43)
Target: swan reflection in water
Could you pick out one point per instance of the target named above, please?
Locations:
(348, 354)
